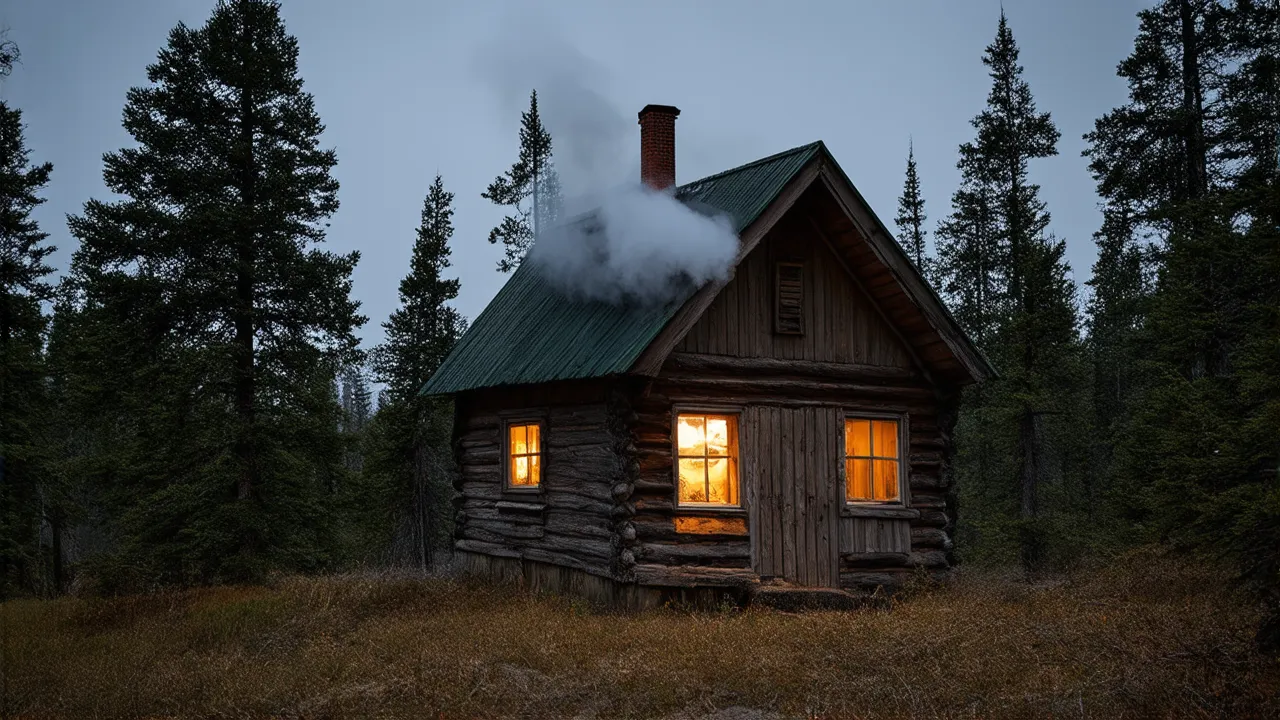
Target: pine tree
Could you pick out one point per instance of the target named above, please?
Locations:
(1116, 310)
(1194, 152)
(911, 218)
(531, 178)
(207, 279)
(1016, 295)
(357, 410)
(24, 465)
(412, 432)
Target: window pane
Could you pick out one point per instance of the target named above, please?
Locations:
(886, 438)
(691, 435)
(722, 485)
(535, 470)
(886, 484)
(693, 479)
(535, 441)
(857, 437)
(858, 482)
(717, 436)
(520, 470)
(518, 443)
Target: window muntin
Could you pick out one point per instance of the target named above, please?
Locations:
(707, 459)
(524, 456)
(872, 460)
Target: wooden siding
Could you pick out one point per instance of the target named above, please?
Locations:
(840, 323)
(794, 494)
(874, 535)
(568, 521)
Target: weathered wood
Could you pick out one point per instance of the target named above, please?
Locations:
(879, 511)
(703, 553)
(923, 537)
(704, 365)
(874, 535)
(693, 576)
(651, 360)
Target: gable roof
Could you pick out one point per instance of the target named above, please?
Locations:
(531, 333)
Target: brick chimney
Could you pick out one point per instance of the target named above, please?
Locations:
(658, 146)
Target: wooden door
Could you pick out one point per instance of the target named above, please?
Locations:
(793, 472)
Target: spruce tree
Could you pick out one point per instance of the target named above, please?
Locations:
(24, 285)
(911, 218)
(230, 321)
(532, 178)
(1015, 293)
(412, 433)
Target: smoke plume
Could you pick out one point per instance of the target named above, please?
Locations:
(620, 241)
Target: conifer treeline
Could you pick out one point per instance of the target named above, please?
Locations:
(1154, 415)
(195, 407)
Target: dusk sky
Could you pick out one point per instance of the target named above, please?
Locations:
(396, 84)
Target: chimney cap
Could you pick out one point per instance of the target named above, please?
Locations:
(671, 110)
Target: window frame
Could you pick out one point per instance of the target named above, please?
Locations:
(736, 411)
(904, 454)
(505, 448)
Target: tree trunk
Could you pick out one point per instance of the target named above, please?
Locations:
(1192, 104)
(1028, 442)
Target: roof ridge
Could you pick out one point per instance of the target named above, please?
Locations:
(793, 151)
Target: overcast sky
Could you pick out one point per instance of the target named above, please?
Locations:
(395, 84)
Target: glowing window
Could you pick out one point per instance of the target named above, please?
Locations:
(872, 460)
(707, 459)
(524, 455)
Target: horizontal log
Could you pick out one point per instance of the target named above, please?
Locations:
(496, 515)
(867, 580)
(520, 507)
(697, 553)
(929, 481)
(926, 500)
(786, 387)
(654, 483)
(501, 529)
(487, 548)
(555, 558)
(874, 560)
(926, 537)
(931, 518)
(775, 366)
(580, 547)
(646, 505)
(693, 576)
(557, 500)
(879, 511)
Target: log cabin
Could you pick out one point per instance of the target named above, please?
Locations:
(784, 430)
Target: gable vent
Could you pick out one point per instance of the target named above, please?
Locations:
(789, 299)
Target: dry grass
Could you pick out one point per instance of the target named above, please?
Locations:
(1147, 637)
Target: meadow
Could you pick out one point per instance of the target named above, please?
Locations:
(1142, 635)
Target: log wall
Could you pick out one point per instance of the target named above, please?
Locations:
(571, 520)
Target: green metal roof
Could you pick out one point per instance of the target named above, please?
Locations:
(532, 333)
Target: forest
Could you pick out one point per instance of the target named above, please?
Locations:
(186, 404)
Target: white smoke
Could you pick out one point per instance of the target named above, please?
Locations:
(635, 244)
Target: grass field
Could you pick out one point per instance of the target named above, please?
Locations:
(1145, 636)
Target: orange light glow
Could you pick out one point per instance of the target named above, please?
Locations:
(525, 455)
(872, 460)
(707, 462)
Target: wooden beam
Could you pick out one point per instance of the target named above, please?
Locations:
(773, 366)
